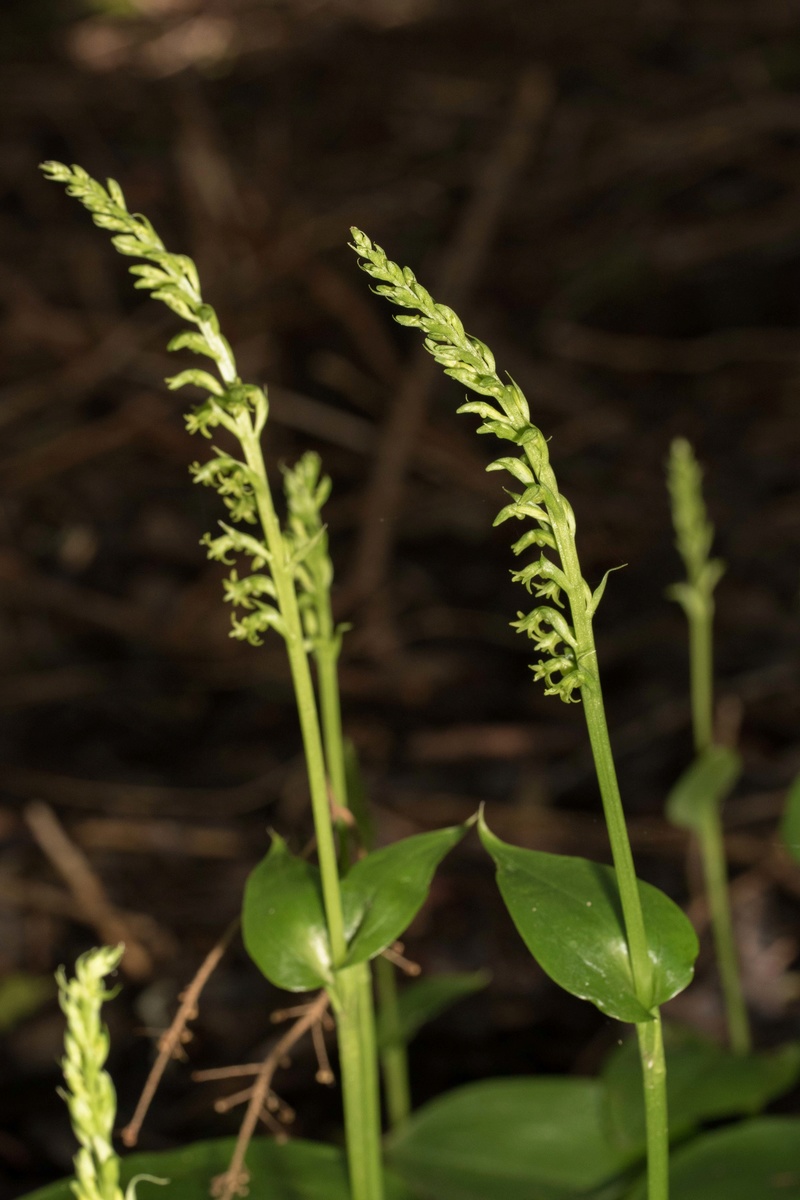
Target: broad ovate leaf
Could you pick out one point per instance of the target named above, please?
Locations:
(508, 1139)
(751, 1160)
(298, 1170)
(705, 1081)
(569, 915)
(703, 786)
(385, 890)
(283, 915)
(283, 921)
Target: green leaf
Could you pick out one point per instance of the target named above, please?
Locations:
(753, 1160)
(425, 999)
(385, 890)
(508, 1139)
(703, 786)
(283, 921)
(704, 1082)
(790, 825)
(283, 916)
(297, 1170)
(568, 913)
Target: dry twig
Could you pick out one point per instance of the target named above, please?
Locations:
(170, 1042)
(235, 1180)
(90, 895)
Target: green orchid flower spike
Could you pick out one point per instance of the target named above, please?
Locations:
(569, 667)
(89, 1093)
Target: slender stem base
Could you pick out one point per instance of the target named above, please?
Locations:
(654, 1078)
(627, 882)
(710, 833)
(355, 1024)
(712, 849)
(394, 1056)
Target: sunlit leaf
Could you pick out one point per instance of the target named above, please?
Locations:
(283, 921)
(283, 915)
(385, 890)
(568, 913)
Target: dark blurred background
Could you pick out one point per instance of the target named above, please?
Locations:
(609, 194)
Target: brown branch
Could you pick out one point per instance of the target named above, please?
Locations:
(170, 1042)
(93, 901)
(234, 1181)
(395, 955)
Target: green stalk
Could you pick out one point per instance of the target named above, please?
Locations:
(394, 1055)
(696, 596)
(649, 1036)
(715, 871)
(597, 726)
(355, 1022)
(326, 656)
(701, 671)
(710, 834)
(355, 1025)
(351, 995)
(654, 1073)
(304, 692)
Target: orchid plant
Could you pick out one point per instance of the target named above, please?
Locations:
(328, 927)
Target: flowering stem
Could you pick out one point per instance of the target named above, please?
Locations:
(694, 539)
(303, 688)
(597, 726)
(569, 662)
